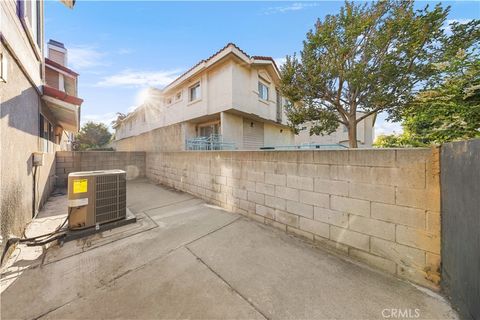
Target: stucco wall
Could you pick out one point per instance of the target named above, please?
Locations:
(170, 138)
(340, 136)
(378, 206)
(277, 135)
(73, 161)
(232, 128)
(19, 138)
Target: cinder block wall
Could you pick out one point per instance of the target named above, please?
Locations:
(71, 161)
(378, 206)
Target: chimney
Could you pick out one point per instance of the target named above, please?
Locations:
(57, 52)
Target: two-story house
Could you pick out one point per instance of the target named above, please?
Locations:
(33, 115)
(231, 96)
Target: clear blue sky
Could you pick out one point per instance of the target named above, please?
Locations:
(121, 47)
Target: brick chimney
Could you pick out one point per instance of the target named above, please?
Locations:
(57, 52)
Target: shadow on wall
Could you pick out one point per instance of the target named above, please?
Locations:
(18, 117)
(11, 204)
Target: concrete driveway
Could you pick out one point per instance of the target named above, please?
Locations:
(187, 259)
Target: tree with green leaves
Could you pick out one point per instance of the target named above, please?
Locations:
(449, 109)
(368, 58)
(92, 135)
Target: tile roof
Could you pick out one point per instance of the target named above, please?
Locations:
(54, 64)
(219, 51)
(57, 94)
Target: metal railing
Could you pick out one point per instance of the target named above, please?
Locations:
(212, 142)
(307, 146)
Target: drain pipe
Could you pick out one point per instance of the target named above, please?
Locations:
(37, 161)
(34, 200)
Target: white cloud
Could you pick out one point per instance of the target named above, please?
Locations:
(295, 6)
(387, 127)
(132, 78)
(85, 57)
(105, 118)
(448, 29)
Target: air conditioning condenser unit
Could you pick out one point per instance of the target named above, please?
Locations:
(96, 197)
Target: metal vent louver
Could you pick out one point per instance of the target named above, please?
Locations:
(110, 198)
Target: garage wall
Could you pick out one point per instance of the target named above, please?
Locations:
(252, 134)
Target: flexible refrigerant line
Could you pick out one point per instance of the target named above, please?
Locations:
(38, 240)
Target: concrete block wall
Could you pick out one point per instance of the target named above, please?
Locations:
(72, 161)
(378, 206)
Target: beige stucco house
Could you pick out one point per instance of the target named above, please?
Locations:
(34, 114)
(365, 135)
(230, 95)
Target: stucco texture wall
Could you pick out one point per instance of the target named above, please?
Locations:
(170, 138)
(378, 206)
(19, 126)
(275, 135)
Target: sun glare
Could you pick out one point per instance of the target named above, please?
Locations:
(143, 96)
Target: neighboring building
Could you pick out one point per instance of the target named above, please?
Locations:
(33, 116)
(365, 134)
(230, 95)
(60, 93)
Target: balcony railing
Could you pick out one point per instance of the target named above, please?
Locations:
(307, 146)
(212, 142)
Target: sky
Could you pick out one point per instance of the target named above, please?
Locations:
(121, 47)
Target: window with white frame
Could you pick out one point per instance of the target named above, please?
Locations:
(168, 101)
(194, 92)
(29, 11)
(178, 96)
(3, 67)
(46, 132)
(262, 91)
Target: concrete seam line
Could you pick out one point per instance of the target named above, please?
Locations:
(56, 308)
(85, 249)
(169, 204)
(228, 284)
(209, 233)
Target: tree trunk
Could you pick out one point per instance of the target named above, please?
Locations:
(352, 135)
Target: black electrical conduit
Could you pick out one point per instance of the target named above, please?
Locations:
(38, 240)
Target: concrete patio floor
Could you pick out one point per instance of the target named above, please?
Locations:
(187, 259)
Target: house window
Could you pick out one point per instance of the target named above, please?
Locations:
(29, 10)
(178, 96)
(3, 67)
(206, 130)
(195, 92)
(45, 132)
(169, 101)
(262, 91)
